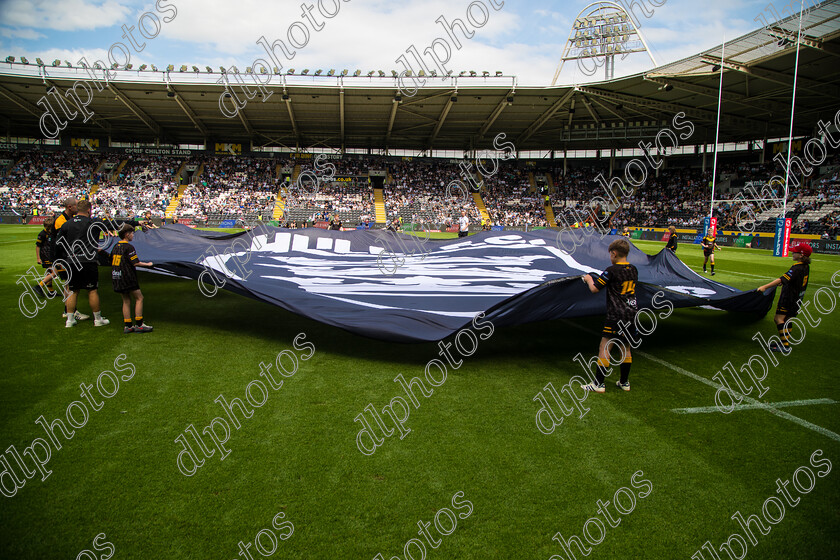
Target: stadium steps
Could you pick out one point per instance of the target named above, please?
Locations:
(296, 172)
(180, 170)
(482, 209)
(116, 173)
(531, 180)
(279, 204)
(379, 206)
(549, 215)
(173, 204)
(197, 175)
(277, 170)
(550, 180)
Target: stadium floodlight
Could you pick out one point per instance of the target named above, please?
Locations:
(331, 72)
(485, 73)
(222, 69)
(463, 73)
(422, 73)
(472, 73)
(318, 72)
(381, 74)
(291, 71)
(276, 70)
(286, 96)
(498, 73)
(263, 69)
(23, 59)
(408, 73)
(394, 73)
(154, 68)
(304, 72)
(209, 70)
(398, 98)
(454, 98)
(10, 59)
(56, 62)
(170, 94)
(68, 63)
(183, 68)
(344, 72)
(510, 100)
(371, 73)
(235, 69)
(434, 73)
(143, 67)
(195, 69)
(39, 62)
(249, 70)
(129, 66)
(170, 68)
(114, 66)
(449, 72)
(666, 87)
(357, 73)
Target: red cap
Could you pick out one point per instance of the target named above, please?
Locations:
(803, 248)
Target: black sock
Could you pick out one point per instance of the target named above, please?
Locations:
(625, 370)
(127, 323)
(601, 372)
(713, 268)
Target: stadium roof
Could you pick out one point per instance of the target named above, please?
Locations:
(466, 112)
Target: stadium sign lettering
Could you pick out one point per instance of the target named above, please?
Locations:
(158, 151)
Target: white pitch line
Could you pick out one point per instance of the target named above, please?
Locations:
(745, 398)
(783, 404)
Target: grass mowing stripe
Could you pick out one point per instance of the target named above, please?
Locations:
(709, 382)
(783, 404)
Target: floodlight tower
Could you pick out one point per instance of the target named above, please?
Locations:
(601, 31)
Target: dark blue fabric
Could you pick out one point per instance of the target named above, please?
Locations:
(513, 277)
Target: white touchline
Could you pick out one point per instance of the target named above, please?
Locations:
(710, 383)
(783, 404)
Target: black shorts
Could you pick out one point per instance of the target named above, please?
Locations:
(611, 331)
(707, 253)
(463, 233)
(787, 308)
(46, 264)
(86, 278)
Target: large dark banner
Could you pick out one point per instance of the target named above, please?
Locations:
(514, 278)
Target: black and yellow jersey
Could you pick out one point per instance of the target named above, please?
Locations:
(794, 284)
(620, 281)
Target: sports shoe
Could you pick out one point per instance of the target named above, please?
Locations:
(624, 386)
(81, 316)
(143, 328)
(71, 322)
(704, 269)
(779, 348)
(594, 388)
(101, 322)
(40, 290)
(128, 330)
(713, 273)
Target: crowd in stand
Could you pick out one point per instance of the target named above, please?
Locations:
(243, 187)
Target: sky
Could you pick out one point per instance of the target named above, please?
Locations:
(521, 38)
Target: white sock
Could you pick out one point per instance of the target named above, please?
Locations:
(97, 315)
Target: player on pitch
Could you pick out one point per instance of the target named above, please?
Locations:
(794, 283)
(620, 281)
(709, 247)
(124, 276)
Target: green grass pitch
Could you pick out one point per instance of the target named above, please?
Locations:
(476, 434)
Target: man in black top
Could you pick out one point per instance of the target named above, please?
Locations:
(57, 252)
(672, 240)
(709, 246)
(79, 239)
(794, 283)
(335, 223)
(620, 281)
